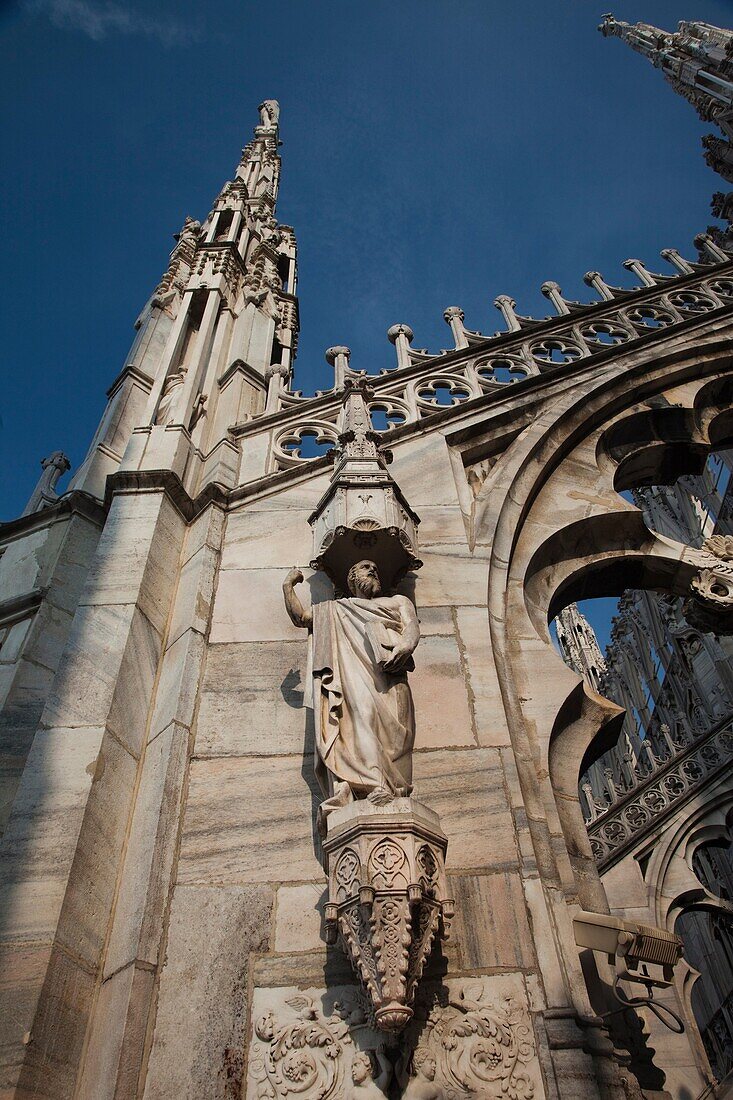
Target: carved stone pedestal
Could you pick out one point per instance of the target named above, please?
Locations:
(387, 898)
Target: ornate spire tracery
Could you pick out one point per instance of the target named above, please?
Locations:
(697, 60)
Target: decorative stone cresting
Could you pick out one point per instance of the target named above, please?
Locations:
(387, 898)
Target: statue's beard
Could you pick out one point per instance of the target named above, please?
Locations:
(369, 588)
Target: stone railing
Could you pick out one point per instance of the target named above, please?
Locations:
(656, 792)
(422, 384)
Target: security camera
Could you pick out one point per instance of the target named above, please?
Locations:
(640, 953)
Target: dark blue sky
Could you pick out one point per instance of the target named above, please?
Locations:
(436, 152)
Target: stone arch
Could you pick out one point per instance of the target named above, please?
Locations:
(560, 529)
(674, 890)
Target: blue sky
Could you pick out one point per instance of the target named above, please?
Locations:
(436, 152)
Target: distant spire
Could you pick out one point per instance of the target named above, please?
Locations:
(579, 646)
(697, 60)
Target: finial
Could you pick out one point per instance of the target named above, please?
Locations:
(453, 316)
(44, 494)
(705, 243)
(506, 307)
(672, 256)
(599, 284)
(401, 336)
(640, 271)
(338, 358)
(269, 114)
(554, 293)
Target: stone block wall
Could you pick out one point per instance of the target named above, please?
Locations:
(245, 918)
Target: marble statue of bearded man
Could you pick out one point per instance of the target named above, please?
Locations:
(364, 715)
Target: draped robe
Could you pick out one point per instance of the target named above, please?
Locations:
(364, 717)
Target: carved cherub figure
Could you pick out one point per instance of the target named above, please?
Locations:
(365, 1086)
(422, 1085)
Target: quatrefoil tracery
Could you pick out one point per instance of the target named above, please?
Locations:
(388, 413)
(606, 333)
(299, 444)
(501, 370)
(443, 392)
(556, 351)
(651, 316)
(691, 302)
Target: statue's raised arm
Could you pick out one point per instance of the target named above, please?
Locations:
(298, 614)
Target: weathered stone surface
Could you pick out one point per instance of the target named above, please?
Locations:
(40, 842)
(423, 472)
(107, 673)
(248, 607)
(22, 970)
(137, 556)
(465, 787)
(442, 524)
(28, 687)
(439, 689)
(178, 682)
(20, 565)
(199, 1038)
(246, 816)
(57, 1033)
(194, 595)
(299, 917)
(251, 700)
(91, 882)
(303, 968)
(435, 620)
(114, 1050)
(488, 708)
(450, 575)
(264, 540)
(491, 928)
(206, 530)
(47, 637)
(303, 497)
(143, 891)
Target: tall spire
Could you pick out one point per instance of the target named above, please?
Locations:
(217, 339)
(697, 60)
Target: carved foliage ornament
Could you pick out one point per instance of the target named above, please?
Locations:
(473, 1046)
(469, 1039)
(709, 607)
(301, 1056)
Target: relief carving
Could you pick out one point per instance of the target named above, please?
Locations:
(709, 607)
(473, 1046)
(469, 1038)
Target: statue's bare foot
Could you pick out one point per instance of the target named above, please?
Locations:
(342, 795)
(380, 796)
